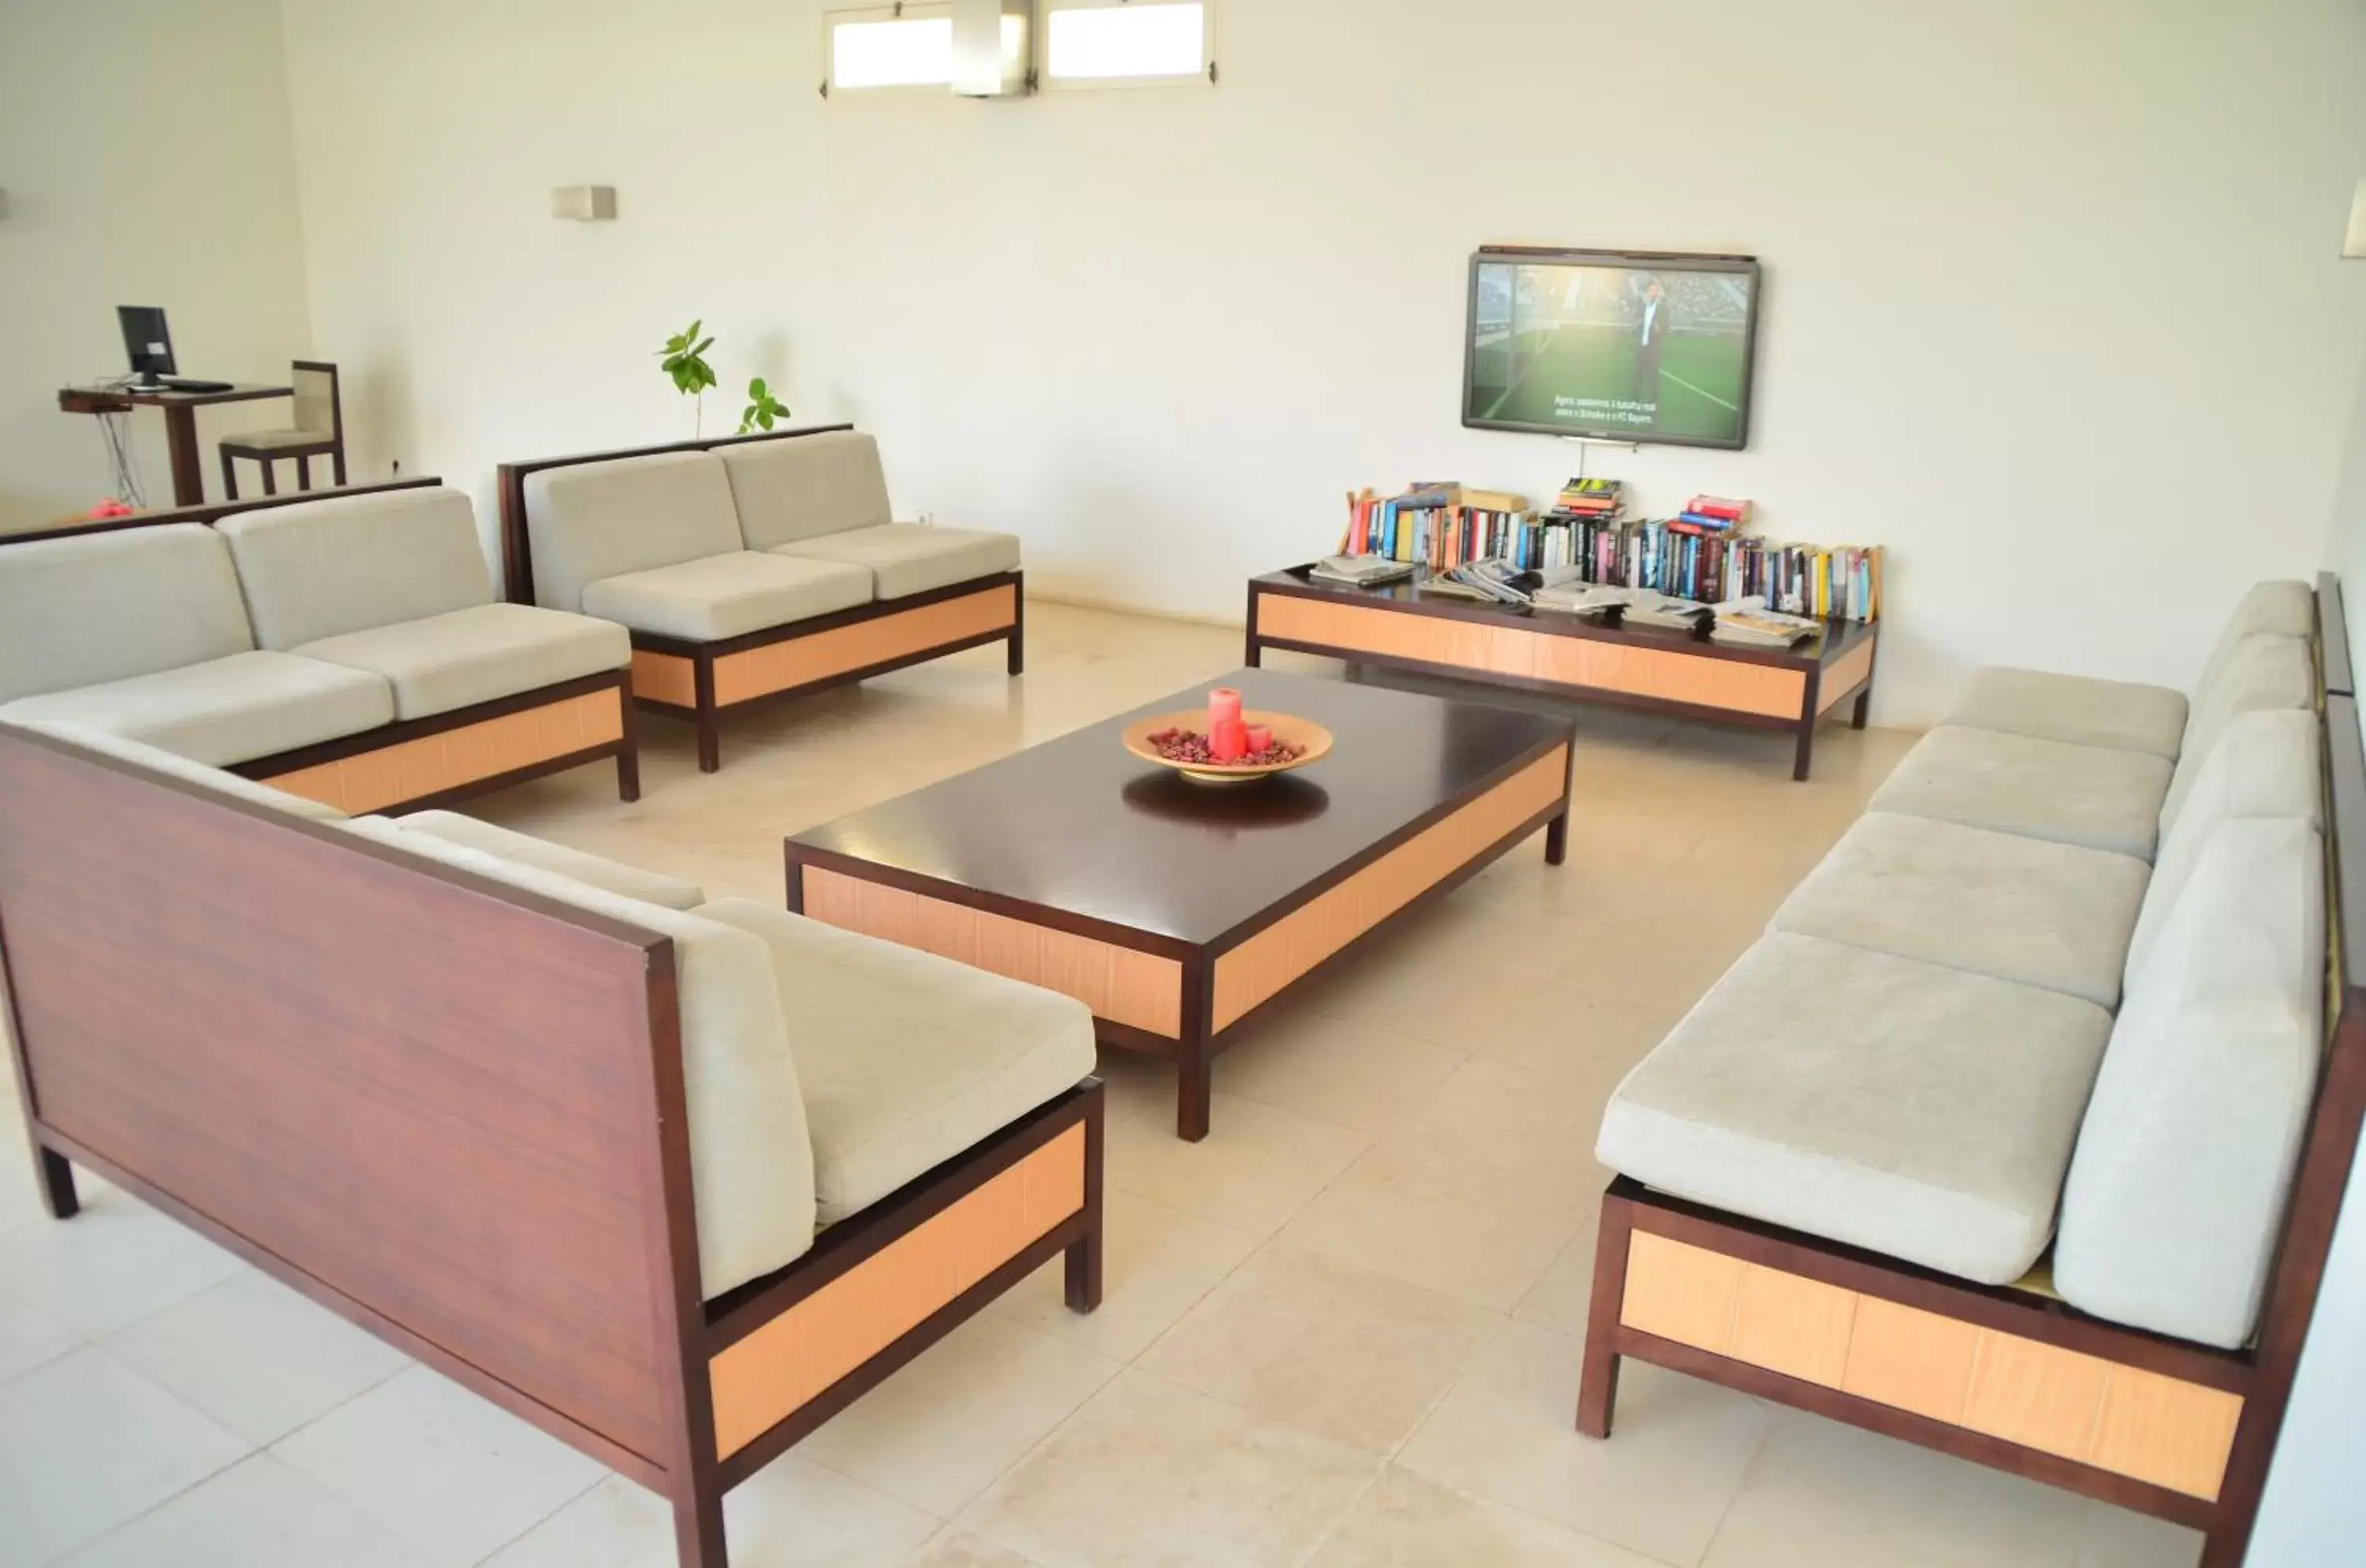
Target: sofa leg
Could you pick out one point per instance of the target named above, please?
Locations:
(698, 1532)
(57, 1184)
(1598, 1389)
(1017, 652)
(710, 741)
(1084, 1254)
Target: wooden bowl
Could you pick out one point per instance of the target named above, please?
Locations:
(1302, 732)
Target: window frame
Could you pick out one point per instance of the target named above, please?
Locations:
(1205, 75)
(882, 11)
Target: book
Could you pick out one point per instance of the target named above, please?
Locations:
(1359, 571)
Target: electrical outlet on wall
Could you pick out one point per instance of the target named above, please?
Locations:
(928, 519)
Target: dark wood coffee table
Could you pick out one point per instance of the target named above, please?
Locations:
(1176, 910)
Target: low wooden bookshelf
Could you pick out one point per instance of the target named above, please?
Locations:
(1404, 625)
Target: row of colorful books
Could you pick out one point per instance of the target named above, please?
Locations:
(1437, 526)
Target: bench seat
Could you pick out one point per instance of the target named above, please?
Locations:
(2055, 916)
(484, 653)
(2094, 797)
(904, 558)
(233, 710)
(1878, 1101)
(906, 1059)
(718, 596)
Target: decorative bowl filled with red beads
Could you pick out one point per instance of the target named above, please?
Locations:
(1224, 743)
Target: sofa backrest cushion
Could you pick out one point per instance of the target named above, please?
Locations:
(2175, 1197)
(107, 743)
(322, 569)
(2278, 607)
(2263, 672)
(752, 1158)
(599, 870)
(2266, 764)
(598, 520)
(94, 607)
(804, 486)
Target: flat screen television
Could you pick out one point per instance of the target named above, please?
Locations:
(1618, 345)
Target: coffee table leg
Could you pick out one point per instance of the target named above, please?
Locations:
(1557, 839)
(1193, 1075)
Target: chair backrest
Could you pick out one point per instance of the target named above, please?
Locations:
(86, 608)
(602, 520)
(319, 408)
(788, 491)
(351, 563)
(2174, 1202)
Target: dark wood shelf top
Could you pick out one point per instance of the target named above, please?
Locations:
(89, 400)
(1413, 596)
(1079, 825)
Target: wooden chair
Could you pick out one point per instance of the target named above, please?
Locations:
(320, 432)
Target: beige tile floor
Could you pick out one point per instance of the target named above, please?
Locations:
(1343, 1332)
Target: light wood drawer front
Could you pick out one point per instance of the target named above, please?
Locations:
(430, 764)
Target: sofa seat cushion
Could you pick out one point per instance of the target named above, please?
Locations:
(2055, 916)
(2094, 795)
(226, 710)
(523, 848)
(2174, 1204)
(321, 569)
(796, 487)
(906, 1059)
(91, 608)
(1874, 1100)
(441, 662)
(2076, 709)
(174, 766)
(750, 1161)
(904, 558)
(726, 595)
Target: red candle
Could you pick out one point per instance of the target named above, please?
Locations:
(1260, 737)
(1223, 703)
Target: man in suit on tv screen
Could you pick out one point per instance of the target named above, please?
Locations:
(1653, 322)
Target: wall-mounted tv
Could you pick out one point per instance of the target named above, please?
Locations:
(1618, 345)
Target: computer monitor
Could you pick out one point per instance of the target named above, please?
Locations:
(147, 341)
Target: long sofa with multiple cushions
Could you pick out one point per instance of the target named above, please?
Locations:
(753, 567)
(348, 648)
(1990, 1141)
(674, 1178)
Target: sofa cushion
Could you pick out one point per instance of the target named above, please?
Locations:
(2174, 1199)
(98, 607)
(907, 1058)
(172, 765)
(904, 558)
(225, 710)
(2262, 672)
(441, 662)
(1918, 1111)
(726, 595)
(600, 520)
(2278, 607)
(751, 1160)
(2056, 916)
(799, 486)
(525, 849)
(322, 569)
(2076, 709)
(2265, 765)
(2094, 795)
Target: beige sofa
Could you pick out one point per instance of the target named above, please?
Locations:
(752, 569)
(674, 1178)
(2057, 1002)
(348, 648)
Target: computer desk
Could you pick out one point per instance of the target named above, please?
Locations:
(180, 421)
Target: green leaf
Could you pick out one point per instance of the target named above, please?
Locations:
(756, 390)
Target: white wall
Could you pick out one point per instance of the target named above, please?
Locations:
(2032, 269)
(144, 145)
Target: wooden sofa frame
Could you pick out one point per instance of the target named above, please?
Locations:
(2014, 1377)
(701, 682)
(229, 1012)
(411, 764)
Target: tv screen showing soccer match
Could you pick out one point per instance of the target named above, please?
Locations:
(1620, 346)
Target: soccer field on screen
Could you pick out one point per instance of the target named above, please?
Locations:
(1700, 380)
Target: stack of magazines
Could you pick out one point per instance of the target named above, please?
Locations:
(1359, 571)
(1747, 622)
